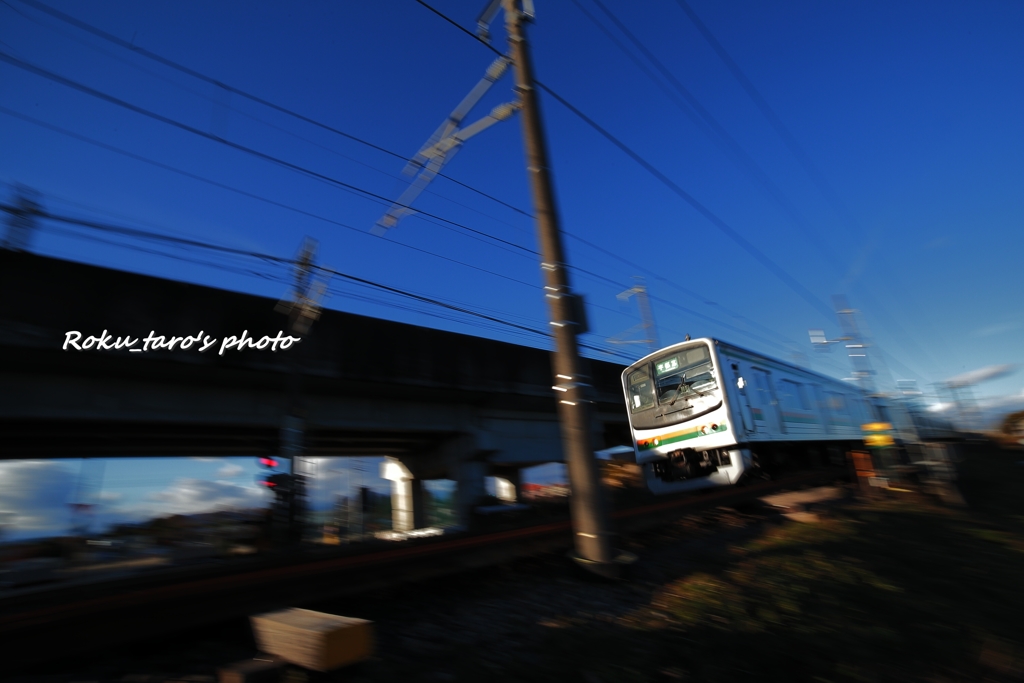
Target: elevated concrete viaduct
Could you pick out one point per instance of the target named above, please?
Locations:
(445, 405)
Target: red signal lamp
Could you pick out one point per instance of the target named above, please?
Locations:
(279, 482)
(269, 462)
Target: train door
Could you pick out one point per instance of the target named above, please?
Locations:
(821, 409)
(746, 415)
(764, 404)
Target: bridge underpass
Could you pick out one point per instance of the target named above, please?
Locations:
(444, 405)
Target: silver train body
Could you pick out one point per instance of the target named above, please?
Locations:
(704, 413)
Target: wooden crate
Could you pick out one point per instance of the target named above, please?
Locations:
(314, 640)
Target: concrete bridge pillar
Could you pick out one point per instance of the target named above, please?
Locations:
(470, 488)
(408, 511)
(508, 484)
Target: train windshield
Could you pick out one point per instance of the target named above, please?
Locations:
(673, 388)
(641, 389)
(684, 375)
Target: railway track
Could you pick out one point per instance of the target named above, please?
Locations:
(70, 620)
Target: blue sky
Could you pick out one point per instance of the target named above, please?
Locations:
(876, 151)
(36, 495)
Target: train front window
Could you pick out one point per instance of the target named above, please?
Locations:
(641, 390)
(673, 388)
(684, 376)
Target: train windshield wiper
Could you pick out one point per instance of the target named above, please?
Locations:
(679, 392)
(689, 384)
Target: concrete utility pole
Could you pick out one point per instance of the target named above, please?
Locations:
(590, 523)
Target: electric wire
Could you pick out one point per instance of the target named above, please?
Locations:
(238, 91)
(712, 127)
(816, 176)
(357, 190)
(664, 179)
(713, 218)
(69, 83)
(264, 122)
(251, 195)
(81, 87)
(593, 276)
(278, 260)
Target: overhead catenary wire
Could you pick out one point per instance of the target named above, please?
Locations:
(238, 91)
(38, 5)
(279, 260)
(587, 273)
(425, 216)
(81, 87)
(582, 271)
(712, 217)
(804, 159)
(779, 272)
(264, 122)
(244, 193)
(707, 121)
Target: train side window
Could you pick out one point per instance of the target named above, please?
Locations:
(641, 390)
(783, 388)
(801, 395)
(793, 395)
(836, 406)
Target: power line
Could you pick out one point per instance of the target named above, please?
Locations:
(290, 133)
(711, 126)
(357, 190)
(57, 78)
(791, 142)
(187, 174)
(278, 260)
(215, 138)
(700, 208)
(767, 111)
(254, 98)
(137, 157)
(582, 271)
(713, 218)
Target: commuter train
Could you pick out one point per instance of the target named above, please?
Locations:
(704, 413)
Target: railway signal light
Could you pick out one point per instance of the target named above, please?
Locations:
(278, 482)
(269, 462)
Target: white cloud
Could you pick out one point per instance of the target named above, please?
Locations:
(191, 496)
(998, 328)
(35, 494)
(230, 470)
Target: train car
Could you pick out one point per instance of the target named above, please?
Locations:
(704, 413)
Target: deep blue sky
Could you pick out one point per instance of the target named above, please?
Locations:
(906, 118)
(889, 168)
